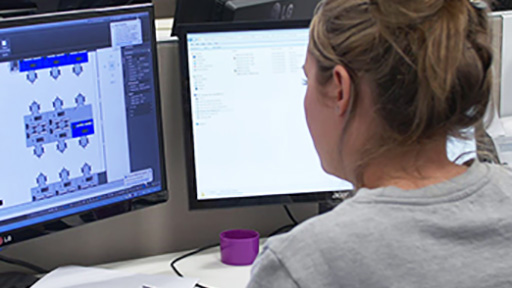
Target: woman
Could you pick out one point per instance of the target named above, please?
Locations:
(388, 82)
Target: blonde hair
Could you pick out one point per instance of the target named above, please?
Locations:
(429, 61)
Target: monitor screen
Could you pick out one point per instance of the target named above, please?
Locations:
(81, 113)
(248, 141)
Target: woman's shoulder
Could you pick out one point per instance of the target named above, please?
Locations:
(377, 214)
(326, 231)
(499, 177)
(499, 170)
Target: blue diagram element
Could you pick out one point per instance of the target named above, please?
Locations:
(43, 190)
(55, 73)
(82, 128)
(39, 150)
(41, 179)
(39, 129)
(53, 61)
(84, 141)
(80, 100)
(62, 146)
(78, 69)
(35, 108)
(86, 169)
(64, 174)
(32, 76)
(57, 104)
(58, 125)
(66, 185)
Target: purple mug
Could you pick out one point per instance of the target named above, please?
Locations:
(239, 247)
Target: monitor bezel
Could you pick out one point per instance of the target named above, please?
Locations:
(194, 202)
(15, 236)
(183, 17)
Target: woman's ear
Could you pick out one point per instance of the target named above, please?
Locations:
(341, 87)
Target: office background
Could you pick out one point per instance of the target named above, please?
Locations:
(169, 227)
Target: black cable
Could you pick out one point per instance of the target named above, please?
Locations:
(279, 230)
(294, 221)
(200, 286)
(173, 262)
(288, 227)
(24, 264)
(282, 229)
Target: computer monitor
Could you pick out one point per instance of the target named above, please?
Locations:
(502, 5)
(84, 4)
(201, 11)
(247, 141)
(81, 112)
(246, 137)
(10, 8)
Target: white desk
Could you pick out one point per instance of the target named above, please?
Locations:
(206, 266)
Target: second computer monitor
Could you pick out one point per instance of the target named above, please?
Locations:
(80, 105)
(247, 138)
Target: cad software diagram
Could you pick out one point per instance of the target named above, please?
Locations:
(56, 124)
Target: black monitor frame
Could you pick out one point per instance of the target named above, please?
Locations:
(502, 5)
(194, 203)
(48, 227)
(203, 12)
(189, 12)
(12, 8)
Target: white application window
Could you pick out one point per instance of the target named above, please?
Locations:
(249, 126)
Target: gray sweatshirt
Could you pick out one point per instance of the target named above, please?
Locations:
(453, 234)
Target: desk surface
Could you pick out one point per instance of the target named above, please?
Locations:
(206, 266)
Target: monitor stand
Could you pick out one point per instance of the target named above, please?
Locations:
(17, 280)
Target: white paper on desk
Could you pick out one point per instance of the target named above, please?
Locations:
(83, 277)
